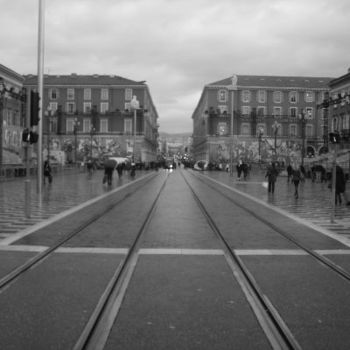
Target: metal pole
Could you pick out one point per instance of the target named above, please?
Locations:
(334, 174)
(1, 124)
(40, 90)
(48, 135)
(134, 148)
(231, 132)
(303, 139)
(75, 144)
(27, 182)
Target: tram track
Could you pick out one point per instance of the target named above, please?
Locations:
(325, 261)
(12, 276)
(276, 330)
(105, 315)
(95, 334)
(269, 311)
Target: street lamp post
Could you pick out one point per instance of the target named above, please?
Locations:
(275, 127)
(303, 122)
(92, 132)
(48, 116)
(75, 131)
(260, 134)
(134, 105)
(2, 97)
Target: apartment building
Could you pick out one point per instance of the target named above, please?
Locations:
(12, 116)
(339, 108)
(261, 118)
(90, 115)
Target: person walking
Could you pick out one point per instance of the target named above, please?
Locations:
(289, 172)
(340, 186)
(120, 167)
(109, 166)
(296, 178)
(239, 168)
(271, 175)
(47, 171)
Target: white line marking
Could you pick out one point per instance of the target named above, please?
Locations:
(91, 250)
(270, 252)
(166, 251)
(170, 251)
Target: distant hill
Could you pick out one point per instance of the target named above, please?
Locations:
(175, 135)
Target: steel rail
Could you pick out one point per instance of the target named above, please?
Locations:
(17, 272)
(329, 263)
(276, 330)
(97, 329)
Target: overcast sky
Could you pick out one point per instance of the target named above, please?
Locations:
(178, 46)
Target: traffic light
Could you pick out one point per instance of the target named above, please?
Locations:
(34, 108)
(33, 137)
(334, 137)
(25, 135)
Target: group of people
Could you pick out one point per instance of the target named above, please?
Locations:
(110, 165)
(296, 175)
(242, 168)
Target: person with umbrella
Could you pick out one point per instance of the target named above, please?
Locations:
(109, 165)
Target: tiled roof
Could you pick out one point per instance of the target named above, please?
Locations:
(85, 80)
(276, 81)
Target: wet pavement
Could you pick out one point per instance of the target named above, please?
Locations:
(314, 202)
(68, 189)
(72, 188)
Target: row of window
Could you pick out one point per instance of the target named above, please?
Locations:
(341, 122)
(261, 96)
(223, 129)
(70, 107)
(87, 126)
(277, 111)
(104, 94)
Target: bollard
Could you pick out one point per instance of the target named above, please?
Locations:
(27, 194)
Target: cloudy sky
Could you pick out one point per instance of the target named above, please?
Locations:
(178, 46)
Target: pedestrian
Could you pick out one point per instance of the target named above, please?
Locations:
(133, 170)
(120, 167)
(245, 170)
(340, 186)
(296, 178)
(109, 165)
(239, 169)
(289, 172)
(47, 171)
(90, 166)
(271, 175)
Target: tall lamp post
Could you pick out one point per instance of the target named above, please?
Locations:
(3, 91)
(275, 128)
(48, 116)
(134, 105)
(260, 134)
(75, 131)
(92, 133)
(303, 122)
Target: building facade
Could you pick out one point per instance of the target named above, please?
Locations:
(91, 116)
(261, 118)
(339, 108)
(12, 115)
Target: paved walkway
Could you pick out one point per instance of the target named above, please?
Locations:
(67, 190)
(314, 202)
(71, 189)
